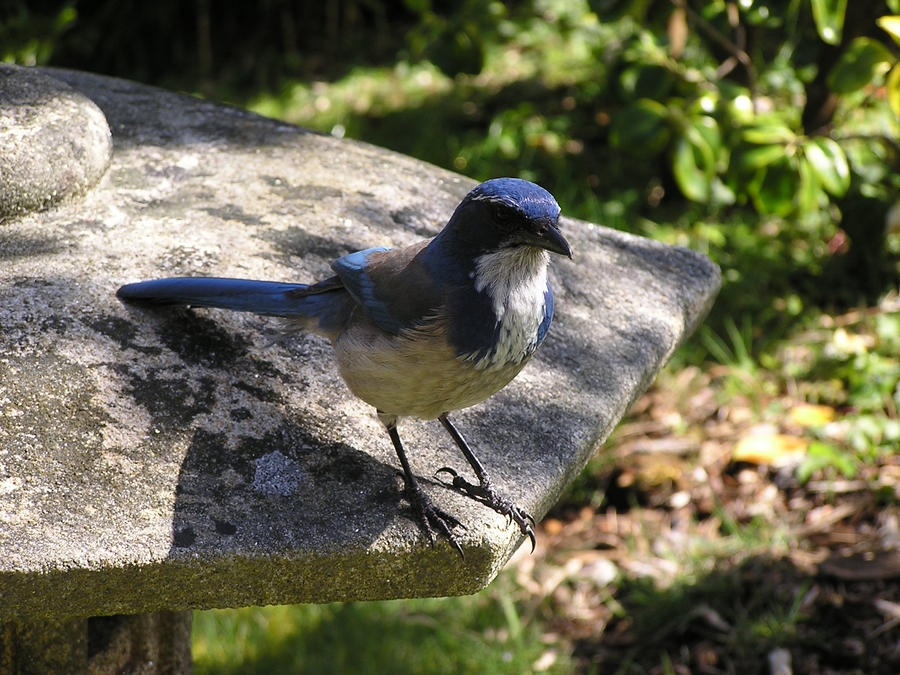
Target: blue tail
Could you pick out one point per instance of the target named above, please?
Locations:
(271, 298)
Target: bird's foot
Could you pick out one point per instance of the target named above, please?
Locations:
(433, 520)
(485, 493)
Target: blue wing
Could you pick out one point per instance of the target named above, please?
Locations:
(392, 286)
(361, 287)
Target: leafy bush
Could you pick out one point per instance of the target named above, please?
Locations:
(749, 109)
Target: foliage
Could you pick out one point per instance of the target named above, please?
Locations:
(28, 38)
(717, 94)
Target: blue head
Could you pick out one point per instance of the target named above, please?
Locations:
(506, 213)
(491, 259)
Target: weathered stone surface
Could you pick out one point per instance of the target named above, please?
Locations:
(54, 141)
(172, 459)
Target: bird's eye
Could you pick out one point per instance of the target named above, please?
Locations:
(505, 217)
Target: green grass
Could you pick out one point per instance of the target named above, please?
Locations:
(478, 634)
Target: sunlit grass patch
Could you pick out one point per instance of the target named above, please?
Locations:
(475, 634)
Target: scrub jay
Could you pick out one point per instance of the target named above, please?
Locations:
(422, 330)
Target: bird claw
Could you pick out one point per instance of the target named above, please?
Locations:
(487, 495)
(430, 518)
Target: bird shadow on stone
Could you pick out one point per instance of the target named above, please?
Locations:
(257, 475)
(285, 490)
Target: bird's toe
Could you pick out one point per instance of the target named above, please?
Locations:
(488, 495)
(433, 520)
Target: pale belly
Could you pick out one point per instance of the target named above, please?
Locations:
(419, 377)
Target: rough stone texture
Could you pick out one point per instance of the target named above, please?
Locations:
(54, 141)
(174, 459)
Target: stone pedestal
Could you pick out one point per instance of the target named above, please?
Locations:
(159, 642)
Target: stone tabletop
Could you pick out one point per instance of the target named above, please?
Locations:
(178, 458)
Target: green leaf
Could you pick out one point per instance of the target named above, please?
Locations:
(721, 193)
(758, 157)
(768, 130)
(829, 18)
(893, 89)
(858, 65)
(705, 133)
(687, 162)
(695, 158)
(740, 108)
(890, 25)
(641, 126)
(809, 189)
(774, 194)
(829, 164)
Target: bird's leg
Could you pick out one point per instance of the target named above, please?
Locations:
(485, 491)
(429, 516)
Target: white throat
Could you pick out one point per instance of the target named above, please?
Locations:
(515, 279)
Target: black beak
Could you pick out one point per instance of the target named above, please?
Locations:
(548, 237)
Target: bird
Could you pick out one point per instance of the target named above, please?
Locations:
(423, 330)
